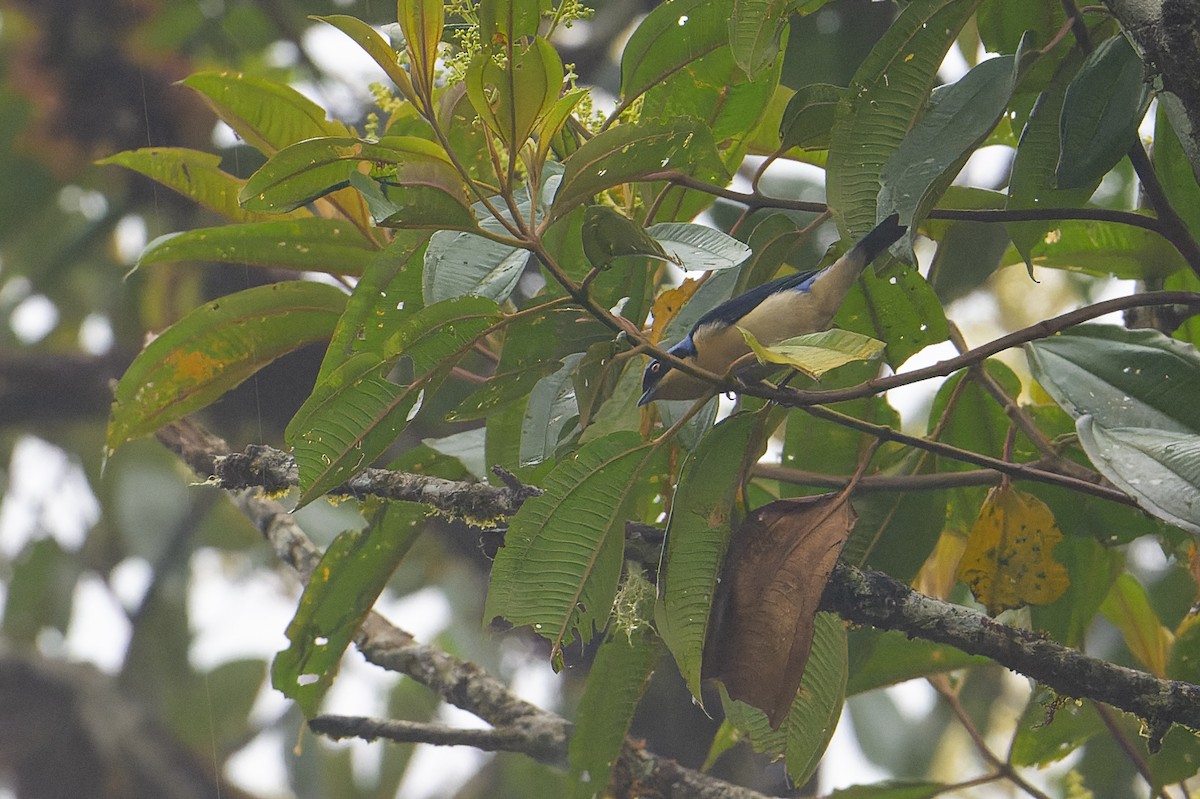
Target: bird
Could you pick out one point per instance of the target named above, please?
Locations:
(786, 307)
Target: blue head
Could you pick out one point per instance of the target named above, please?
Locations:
(658, 371)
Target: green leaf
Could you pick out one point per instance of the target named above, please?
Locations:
(609, 234)
(422, 22)
(1101, 112)
(755, 28)
(411, 204)
(310, 169)
(511, 19)
(551, 125)
(558, 569)
(355, 413)
(958, 118)
(377, 47)
(1092, 569)
(752, 723)
(1033, 183)
(615, 683)
(634, 152)
(1174, 171)
(715, 91)
(230, 690)
(699, 248)
(388, 292)
(1045, 736)
(40, 590)
(818, 706)
(698, 535)
(897, 532)
(1128, 608)
(809, 115)
(978, 422)
(901, 310)
(533, 345)
(342, 590)
(268, 116)
(214, 348)
(551, 414)
(1161, 470)
(512, 97)
(1003, 23)
(884, 102)
(1108, 248)
(1121, 378)
(817, 353)
(195, 175)
(310, 244)
(813, 715)
(670, 37)
(895, 658)
(1184, 663)
(459, 264)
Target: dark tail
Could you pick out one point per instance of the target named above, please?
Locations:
(882, 236)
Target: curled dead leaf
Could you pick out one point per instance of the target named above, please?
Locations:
(779, 561)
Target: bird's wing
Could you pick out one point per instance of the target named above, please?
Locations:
(735, 308)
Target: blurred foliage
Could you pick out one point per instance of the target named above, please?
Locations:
(423, 274)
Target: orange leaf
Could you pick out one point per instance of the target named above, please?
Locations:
(668, 304)
(1008, 561)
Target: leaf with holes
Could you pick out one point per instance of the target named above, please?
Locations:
(311, 244)
(195, 175)
(1009, 559)
(342, 590)
(214, 348)
(268, 116)
(356, 412)
(310, 169)
(635, 152)
(885, 99)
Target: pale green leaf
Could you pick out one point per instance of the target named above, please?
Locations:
(817, 353)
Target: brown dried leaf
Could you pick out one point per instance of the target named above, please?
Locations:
(762, 630)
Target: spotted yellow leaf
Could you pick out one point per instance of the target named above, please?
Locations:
(1009, 559)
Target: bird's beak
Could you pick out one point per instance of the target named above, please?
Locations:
(646, 397)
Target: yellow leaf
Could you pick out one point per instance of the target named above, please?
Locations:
(1129, 610)
(814, 354)
(1008, 561)
(668, 304)
(939, 572)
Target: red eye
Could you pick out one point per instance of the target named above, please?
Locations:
(655, 367)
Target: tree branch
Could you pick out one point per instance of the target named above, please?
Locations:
(459, 682)
(506, 739)
(868, 597)
(799, 397)
(862, 597)
(275, 471)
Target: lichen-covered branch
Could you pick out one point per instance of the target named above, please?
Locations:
(523, 727)
(869, 597)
